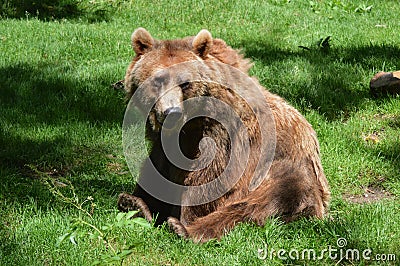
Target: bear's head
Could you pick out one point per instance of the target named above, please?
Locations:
(154, 56)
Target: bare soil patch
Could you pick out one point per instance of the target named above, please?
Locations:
(370, 195)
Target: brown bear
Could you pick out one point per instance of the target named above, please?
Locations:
(294, 184)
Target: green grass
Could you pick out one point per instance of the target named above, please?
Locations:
(59, 115)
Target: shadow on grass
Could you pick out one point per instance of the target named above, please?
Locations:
(43, 9)
(43, 99)
(339, 82)
(55, 9)
(46, 94)
(44, 115)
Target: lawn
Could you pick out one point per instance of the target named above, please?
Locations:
(61, 158)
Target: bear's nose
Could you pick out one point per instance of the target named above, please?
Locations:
(172, 115)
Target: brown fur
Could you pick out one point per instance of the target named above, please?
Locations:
(295, 185)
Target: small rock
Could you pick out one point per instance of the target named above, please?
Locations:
(385, 83)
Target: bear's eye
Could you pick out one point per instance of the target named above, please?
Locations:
(185, 85)
(161, 79)
(158, 81)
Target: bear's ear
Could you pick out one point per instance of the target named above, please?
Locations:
(141, 41)
(202, 43)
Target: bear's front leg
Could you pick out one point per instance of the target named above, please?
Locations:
(128, 202)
